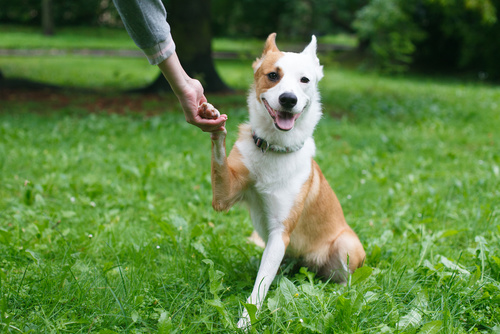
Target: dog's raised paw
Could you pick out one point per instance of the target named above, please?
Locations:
(208, 111)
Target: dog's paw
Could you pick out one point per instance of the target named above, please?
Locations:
(244, 323)
(208, 111)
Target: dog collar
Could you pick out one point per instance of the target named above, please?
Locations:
(265, 146)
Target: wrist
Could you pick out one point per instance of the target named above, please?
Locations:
(174, 73)
(181, 88)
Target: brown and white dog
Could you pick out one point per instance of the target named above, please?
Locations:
(271, 168)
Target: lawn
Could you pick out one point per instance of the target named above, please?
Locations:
(28, 37)
(106, 223)
(110, 72)
(15, 37)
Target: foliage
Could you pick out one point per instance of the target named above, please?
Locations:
(461, 35)
(344, 13)
(294, 19)
(390, 32)
(244, 18)
(106, 223)
(436, 34)
(432, 35)
(64, 12)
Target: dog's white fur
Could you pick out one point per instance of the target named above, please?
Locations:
(285, 192)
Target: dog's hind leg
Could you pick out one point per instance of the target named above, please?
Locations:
(346, 254)
(257, 240)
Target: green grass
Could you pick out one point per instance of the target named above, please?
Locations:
(109, 73)
(103, 73)
(24, 37)
(106, 224)
(339, 39)
(115, 73)
(243, 46)
(75, 38)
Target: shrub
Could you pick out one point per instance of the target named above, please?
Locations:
(390, 33)
(65, 13)
(433, 34)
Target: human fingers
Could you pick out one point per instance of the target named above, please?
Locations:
(210, 125)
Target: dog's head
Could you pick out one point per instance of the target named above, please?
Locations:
(285, 83)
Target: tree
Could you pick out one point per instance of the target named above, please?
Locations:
(343, 13)
(460, 35)
(389, 31)
(47, 18)
(190, 23)
(432, 34)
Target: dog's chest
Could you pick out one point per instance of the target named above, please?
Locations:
(277, 181)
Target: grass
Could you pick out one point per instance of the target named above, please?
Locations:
(113, 73)
(25, 37)
(103, 73)
(81, 72)
(339, 39)
(106, 224)
(106, 74)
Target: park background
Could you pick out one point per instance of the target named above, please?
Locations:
(106, 223)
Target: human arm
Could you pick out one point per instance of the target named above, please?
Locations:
(146, 23)
(190, 94)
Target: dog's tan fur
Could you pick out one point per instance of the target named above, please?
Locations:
(316, 227)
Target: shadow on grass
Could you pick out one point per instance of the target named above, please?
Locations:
(24, 84)
(24, 95)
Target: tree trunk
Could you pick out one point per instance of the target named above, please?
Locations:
(190, 24)
(47, 18)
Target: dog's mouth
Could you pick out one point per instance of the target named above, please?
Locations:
(283, 120)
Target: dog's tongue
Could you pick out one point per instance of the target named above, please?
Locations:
(285, 120)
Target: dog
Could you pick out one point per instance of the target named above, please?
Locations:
(271, 168)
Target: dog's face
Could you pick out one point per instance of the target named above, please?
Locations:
(286, 83)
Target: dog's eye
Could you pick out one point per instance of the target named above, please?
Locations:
(304, 80)
(273, 76)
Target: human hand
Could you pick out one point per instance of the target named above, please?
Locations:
(208, 111)
(192, 101)
(190, 94)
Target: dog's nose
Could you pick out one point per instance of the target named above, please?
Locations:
(288, 100)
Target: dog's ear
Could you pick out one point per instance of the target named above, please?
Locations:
(270, 46)
(310, 51)
(311, 48)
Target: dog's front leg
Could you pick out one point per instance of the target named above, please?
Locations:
(229, 175)
(269, 265)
